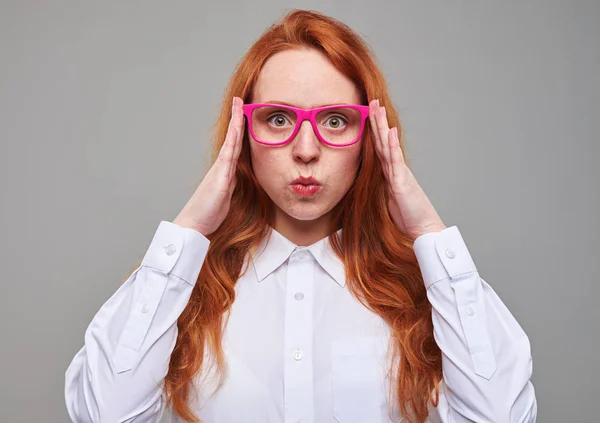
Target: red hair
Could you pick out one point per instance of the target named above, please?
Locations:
(381, 267)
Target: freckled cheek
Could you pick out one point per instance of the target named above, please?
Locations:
(269, 168)
(344, 170)
(342, 178)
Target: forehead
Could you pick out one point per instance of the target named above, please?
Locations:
(304, 78)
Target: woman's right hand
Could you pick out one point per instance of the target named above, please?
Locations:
(209, 205)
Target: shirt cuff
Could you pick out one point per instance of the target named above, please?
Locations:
(443, 255)
(178, 251)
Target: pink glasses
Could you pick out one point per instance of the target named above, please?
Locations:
(276, 124)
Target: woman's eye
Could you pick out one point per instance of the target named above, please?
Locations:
(336, 122)
(278, 120)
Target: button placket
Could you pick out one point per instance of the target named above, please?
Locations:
(298, 354)
(298, 336)
(157, 264)
(468, 298)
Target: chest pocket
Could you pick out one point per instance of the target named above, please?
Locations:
(358, 376)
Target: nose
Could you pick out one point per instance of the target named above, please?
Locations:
(305, 145)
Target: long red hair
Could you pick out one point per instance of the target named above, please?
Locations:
(381, 267)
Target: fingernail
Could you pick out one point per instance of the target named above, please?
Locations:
(377, 102)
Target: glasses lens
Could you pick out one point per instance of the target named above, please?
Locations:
(339, 125)
(272, 124)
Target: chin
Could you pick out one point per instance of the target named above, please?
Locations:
(305, 211)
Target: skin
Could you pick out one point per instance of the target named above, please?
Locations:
(304, 78)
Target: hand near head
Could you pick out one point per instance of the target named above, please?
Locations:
(209, 205)
(410, 208)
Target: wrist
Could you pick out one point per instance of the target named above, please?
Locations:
(189, 224)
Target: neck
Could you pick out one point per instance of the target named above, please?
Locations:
(301, 232)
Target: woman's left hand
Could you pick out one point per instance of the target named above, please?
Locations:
(410, 208)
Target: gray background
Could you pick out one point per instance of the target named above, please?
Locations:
(105, 114)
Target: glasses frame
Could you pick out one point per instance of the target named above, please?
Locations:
(306, 114)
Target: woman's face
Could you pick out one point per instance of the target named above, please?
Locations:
(304, 78)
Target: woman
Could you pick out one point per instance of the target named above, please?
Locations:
(308, 278)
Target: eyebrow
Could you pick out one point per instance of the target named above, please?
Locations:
(293, 105)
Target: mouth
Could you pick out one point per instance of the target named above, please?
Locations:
(305, 180)
(306, 187)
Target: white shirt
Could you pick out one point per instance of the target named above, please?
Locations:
(299, 347)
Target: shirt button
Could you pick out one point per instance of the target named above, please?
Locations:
(470, 311)
(302, 254)
(298, 354)
(450, 253)
(170, 249)
(145, 308)
(298, 295)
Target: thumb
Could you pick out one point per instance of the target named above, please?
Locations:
(233, 185)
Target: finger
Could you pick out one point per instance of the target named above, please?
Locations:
(239, 127)
(237, 123)
(232, 114)
(397, 158)
(232, 185)
(373, 105)
(226, 154)
(383, 129)
(222, 157)
(230, 163)
(224, 148)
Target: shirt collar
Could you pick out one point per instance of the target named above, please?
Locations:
(275, 249)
